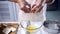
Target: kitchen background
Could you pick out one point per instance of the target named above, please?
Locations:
(53, 11)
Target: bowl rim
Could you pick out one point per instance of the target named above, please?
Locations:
(51, 22)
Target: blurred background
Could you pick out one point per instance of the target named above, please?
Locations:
(53, 11)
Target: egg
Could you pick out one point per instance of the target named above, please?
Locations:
(31, 28)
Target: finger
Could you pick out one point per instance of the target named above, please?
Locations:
(39, 9)
(26, 10)
(33, 5)
(33, 9)
(21, 4)
(38, 2)
(36, 6)
(26, 4)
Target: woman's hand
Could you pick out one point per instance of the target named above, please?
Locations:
(23, 5)
(37, 7)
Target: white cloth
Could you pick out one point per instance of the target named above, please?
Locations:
(8, 30)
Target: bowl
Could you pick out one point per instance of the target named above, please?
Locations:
(51, 26)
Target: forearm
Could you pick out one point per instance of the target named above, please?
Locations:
(14, 1)
(49, 1)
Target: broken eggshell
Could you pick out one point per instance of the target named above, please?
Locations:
(8, 30)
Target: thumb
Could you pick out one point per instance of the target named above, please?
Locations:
(33, 5)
